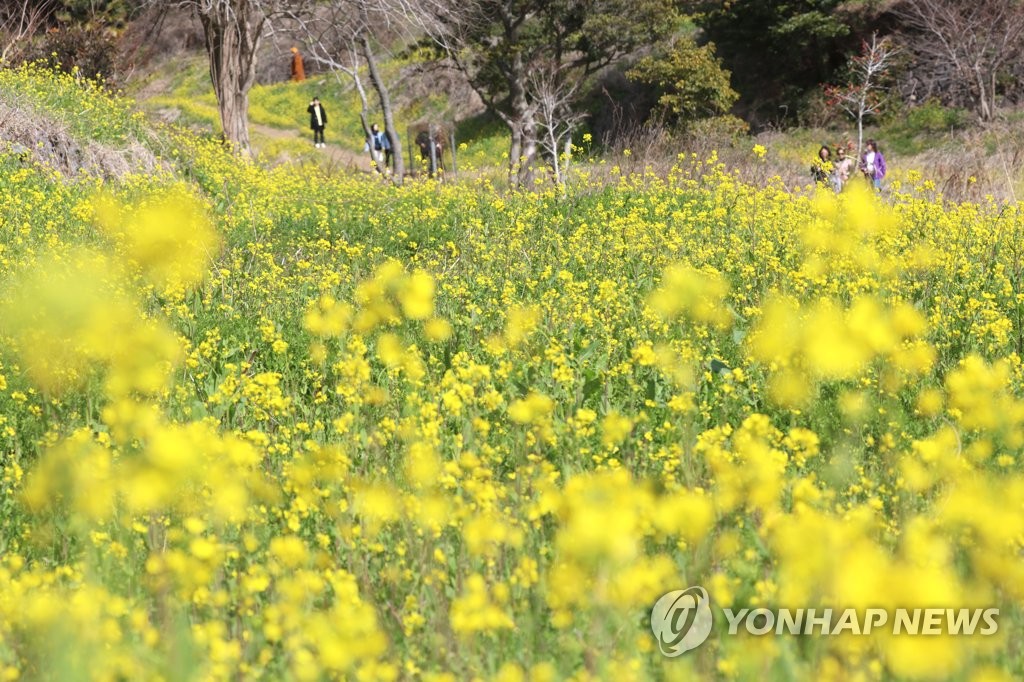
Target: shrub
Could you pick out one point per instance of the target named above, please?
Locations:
(933, 117)
(691, 80)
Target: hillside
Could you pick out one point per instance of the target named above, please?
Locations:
(959, 158)
(178, 90)
(265, 421)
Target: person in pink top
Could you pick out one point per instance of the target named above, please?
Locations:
(843, 168)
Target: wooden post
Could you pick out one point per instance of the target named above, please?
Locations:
(455, 165)
(433, 152)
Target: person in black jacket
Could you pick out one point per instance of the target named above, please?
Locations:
(317, 121)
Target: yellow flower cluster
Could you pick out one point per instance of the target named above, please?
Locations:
(255, 425)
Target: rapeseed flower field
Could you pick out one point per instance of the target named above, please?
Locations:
(267, 424)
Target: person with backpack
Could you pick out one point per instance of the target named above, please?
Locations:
(379, 146)
(431, 151)
(872, 164)
(317, 121)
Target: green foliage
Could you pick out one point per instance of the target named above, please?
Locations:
(485, 138)
(917, 128)
(575, 39)
(726, 127)
(934, 117)
(106, 12)
(777, 49)
(691, 80)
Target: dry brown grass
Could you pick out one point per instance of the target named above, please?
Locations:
(50, 143)
(970, 166)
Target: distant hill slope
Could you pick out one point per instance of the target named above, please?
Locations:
(53, 118)
(179, 91)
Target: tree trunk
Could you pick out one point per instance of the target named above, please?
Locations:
(386, 109)
(234, 118)
(522, 152)
(860, 136)
(515, 148)
(567, 160)
(552, 143)
(985, 106)
(530, 146)
(364, 107)
(233, 32)
(522, 121)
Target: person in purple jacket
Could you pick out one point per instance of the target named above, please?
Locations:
(872, 164)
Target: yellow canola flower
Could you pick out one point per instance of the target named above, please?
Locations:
(328, 317)
(78, 472)
(437, 329)
(422, 465)
(167, 233)
(70, 314)
(980, 393)
(690, 515)
(487, 533)
(696, 294)
(601, 515)
(417, 296)
(532, 409)
(848, 231)
(615, 428)
(390, 351)
(749, 465)
(832, 342)
(476, 610)
(289, 551)
(520, 322)
(830, 349)
(377, 505)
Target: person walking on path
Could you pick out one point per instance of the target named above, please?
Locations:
(872, 165)
(298, 70)
(431, 148)
(317, 121)
(379, 146)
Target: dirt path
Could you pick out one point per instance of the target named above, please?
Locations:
(334, 156)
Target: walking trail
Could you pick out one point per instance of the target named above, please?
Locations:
(335, 157)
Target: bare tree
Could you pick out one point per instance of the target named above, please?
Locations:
(233, 31)
(343, 61)
(385, 106)
(500, 44)
(556, 119)
(19, 21)
(347, 27)
(977, 38)
(861, 98)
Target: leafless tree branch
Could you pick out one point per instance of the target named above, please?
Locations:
(977, 39)
(19, 21)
